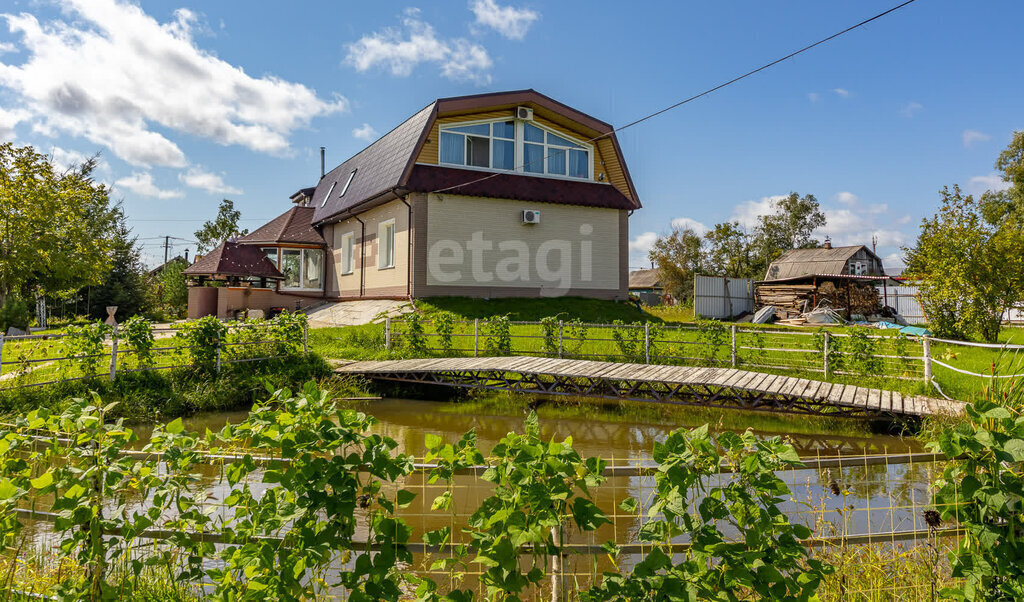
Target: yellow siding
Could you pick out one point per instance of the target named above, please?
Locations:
(591, 235)
(389, 278)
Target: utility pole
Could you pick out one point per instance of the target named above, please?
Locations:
(167, 248)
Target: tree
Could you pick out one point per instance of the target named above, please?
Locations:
(57, 230)
(125, 283)
(789, 226)
(969, 269)
(223, 227)
(728, 251)
(173, 286)
(679, 256)
(1007, 206)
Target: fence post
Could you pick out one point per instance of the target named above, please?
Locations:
(556, 569)
(647, 342)
(1, 352)
(733, 347)
(828, 338)
(113, 354)
(560, 347)
(305, 339)
(926, 343)
(387, 333)
(218, 355)
(476, 337)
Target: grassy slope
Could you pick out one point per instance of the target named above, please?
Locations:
(588, 310)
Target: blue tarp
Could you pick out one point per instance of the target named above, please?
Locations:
(916, 331)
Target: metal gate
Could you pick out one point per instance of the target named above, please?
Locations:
(721, 297)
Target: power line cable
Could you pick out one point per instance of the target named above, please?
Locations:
(702, 94)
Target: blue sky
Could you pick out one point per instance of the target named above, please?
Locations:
(191, 102)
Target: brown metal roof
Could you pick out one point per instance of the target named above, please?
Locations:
(292, 226)
(426, 178)
(644, 279)
(809, 262)
(388, 165)
(233, 259)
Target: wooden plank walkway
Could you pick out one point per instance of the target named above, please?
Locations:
(687, 385)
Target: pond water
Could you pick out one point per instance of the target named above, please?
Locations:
(870, 499)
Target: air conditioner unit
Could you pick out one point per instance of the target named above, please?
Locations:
(531, 216)
(524, 113)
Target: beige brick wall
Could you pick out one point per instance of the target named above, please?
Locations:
(382, 282)
(572, 250)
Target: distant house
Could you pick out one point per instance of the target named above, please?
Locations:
(844, 278)
(509, 194)
(856, 260)
(646, 285)
(179, 260)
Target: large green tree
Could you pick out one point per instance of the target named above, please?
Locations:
(789, 226)
(221, 228)
(679, 257)
(969, 269)
(57, 228)
(125, 283)
(728, 252)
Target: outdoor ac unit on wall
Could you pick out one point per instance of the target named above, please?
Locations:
(524, 113)
(531, 216)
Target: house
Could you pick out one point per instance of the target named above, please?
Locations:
(646, 285)
(508, 194)
(246, 277)
(844, 278)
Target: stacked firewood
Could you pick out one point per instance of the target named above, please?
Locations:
(786, 298)
(861, 298)
(791, 300)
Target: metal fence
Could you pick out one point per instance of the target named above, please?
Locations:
(27, 361)
(865, 513)
(722, 297)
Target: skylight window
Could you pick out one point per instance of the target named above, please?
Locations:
(330, 190)
(349, 182)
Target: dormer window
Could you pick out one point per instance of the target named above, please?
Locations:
(510, 145)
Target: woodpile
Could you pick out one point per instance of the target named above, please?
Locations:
(791, 300)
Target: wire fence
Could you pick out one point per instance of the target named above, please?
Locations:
(866, 514)
(35, 360)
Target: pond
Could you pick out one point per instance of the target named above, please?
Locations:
(851, 500)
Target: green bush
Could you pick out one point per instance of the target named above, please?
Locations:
(85, 346)
(14, 313)
(137, 332)
(498, 336)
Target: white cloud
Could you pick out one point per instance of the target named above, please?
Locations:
(893, 260)
(971, 137)
(400, 50)
(365, 132)
(6, 47)
(842, 92)
(642, 243)
(847, 198)
(10, 118)
(142, 183)
(981, 184)
(65, 159)
(511, 22)
(813, 96)
(747, 213)
(682, 223)
(114, 75)
(911, 108)
(196, 177)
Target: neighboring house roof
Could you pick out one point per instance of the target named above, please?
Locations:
(644, 279)
(233, 259)
(811, 262)
(387, 168)
(160, 268)
(302, 194)
(292, 226)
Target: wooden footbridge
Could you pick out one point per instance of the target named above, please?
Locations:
(685, 385)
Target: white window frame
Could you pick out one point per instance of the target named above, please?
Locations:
(519, 141)
(348, 247)
(302, 268)
(386, 225)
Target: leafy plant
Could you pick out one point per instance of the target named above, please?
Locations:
(137, 332)
(983, 491)
(287, 330)
(200, 341)
(769, 563)
(836, 360)
(552, 330)
(498, 336)
(414, 338)
(712, 335)
(538, 486)
(629, 338)
(574, 336)
(444, 324)
(84, 345)
(862, 353)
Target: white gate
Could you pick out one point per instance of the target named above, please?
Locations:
(721, 297)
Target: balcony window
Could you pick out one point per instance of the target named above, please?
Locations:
(498, 145)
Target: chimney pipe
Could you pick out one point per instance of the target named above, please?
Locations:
(323, 159)
(828, 243)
